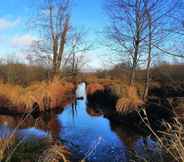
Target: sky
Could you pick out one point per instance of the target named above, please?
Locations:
(16, 35)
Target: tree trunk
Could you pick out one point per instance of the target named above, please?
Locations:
(147, 81)
(136, 43)
(134, 66)
(62, 43)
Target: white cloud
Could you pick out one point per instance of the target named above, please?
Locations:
(6, 24)
(23, 40)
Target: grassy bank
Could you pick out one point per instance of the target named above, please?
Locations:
(44, 94)
(129, 96)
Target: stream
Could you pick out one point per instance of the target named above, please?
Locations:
(89, 135)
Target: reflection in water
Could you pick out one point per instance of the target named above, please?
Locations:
(126, 135)
(54, 127)
(84, 130)
(93, 112)
(46, 124)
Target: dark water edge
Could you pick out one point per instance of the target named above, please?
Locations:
(87, 133)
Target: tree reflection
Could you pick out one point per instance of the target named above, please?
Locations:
(47, 122)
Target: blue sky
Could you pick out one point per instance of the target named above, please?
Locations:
(15, 36)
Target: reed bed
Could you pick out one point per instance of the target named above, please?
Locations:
(130, 101)
(50, 94)
(55, 153)
(172, 140)
(129, 96)
(6, 145)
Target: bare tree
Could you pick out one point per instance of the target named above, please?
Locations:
(59, 28)
(126, 29)
(149, 57)
(53, 22)
(61, 46)
(132, 25)
(156, 31)
(37, 54)
(75, 59)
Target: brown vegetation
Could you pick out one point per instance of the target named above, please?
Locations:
(11, 149)
(22, 74)
(47, 95)
(5, 145)
(93, 87)
(172, 141)
(129, 103)
(55, 153)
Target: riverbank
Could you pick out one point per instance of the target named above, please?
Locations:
(79, 126)
(160, 117)
(87, 134)
(37, 97)
(126, 106)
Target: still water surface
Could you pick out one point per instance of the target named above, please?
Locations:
(87, 133)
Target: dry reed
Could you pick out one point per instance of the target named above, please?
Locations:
(6, 144)
(55, 153)
(54, 93)
(130, 102)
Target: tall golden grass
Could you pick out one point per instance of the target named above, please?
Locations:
(173, 141)
(55, 153)
(51, 93)
(130, 101)
(5, 145)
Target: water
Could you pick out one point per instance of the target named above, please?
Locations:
(86, 132)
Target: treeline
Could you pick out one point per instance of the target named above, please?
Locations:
(23, 74)
(163, 72)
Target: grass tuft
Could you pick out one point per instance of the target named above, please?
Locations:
(130, 102)
(55, 153)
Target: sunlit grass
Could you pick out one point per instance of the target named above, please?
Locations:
(130, 101)
(6, 144)
(55, 153)
(53, 93)
(129, 96)
(172, 140)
